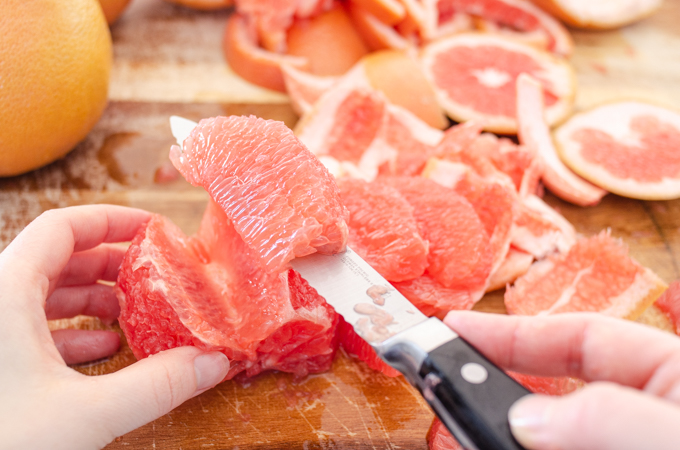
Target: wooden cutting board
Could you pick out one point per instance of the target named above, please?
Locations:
(168, 60)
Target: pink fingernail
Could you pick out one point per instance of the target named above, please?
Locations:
(210, 369)
(528, 418)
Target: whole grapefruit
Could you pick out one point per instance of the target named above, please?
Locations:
(55, 59)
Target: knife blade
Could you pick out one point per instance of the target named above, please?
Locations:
(468, 392)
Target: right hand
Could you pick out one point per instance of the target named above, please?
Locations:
(632, 403)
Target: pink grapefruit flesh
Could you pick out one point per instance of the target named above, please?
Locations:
(305, 88)
(669, 304)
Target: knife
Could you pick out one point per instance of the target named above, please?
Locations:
(468, 392)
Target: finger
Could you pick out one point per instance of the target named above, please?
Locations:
(602, 416)
(154, 386)
(588, 346)
(86, 267)
(97, 300)
(79, 346)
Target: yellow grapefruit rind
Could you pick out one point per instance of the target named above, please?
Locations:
(612, 115)
(562, 9)
(559, 71)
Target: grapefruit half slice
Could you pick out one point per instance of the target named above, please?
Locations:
(629, 148)
(534, 133)
(475, 78)
(596, 275)
(281, 200)
(599, 15)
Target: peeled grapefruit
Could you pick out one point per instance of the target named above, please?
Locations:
(382, 229)
(669, 304)
(304, 88)
(358, 347)
(475, 77)
(540, 230)
(629, 148)
(434, 299)
(203, 5)
(390, 12)
(534, 133)
(281, 200)
(515, 264)
(596, 275)
(377, 34)
(599, 15)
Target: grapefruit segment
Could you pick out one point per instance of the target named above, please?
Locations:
(596, 275)
(599, 15)
(389, 12)
(382, 229)
(534, 133)
(434, 299)
(376, 34)
(515, 264)
(474, 76)
(249, 61)
(260, 174)
(358, 347)
(669, 304)
(628, 148)
(305, 88)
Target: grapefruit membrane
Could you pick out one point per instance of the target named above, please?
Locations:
(515, 264)
(475, 75)
(628, 148)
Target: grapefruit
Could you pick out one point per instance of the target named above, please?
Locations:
(540, 230)
(629, 148)
(329, 42)
(596, 275)
(434, 299)
(517, 16)
(359, 348)
(599, 15)
(304, 89)
(515, 264)
(203, 5)
(249, 61)
(209, 291)
(113, 9)
(459, 255)
(376, 34)
(281, 200)
(54, 84)
(534, 133)
(669, 304)
(475, 75)
(389, 12)
(382, 229)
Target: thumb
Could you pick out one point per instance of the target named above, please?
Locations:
(152, 387)
(601, 416)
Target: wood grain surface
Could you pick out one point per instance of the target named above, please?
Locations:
(168, 60)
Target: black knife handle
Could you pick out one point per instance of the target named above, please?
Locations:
(470, 395)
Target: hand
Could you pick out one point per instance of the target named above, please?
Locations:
(50, 271)
(633, 402)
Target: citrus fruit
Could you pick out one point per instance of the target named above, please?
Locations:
(628, 148)
(358, 347)
(474, 76)
(60, 77)
(518, 16)
(376, 34)
(534, 133)
(389, 12)
(113, 9)
(270, 19)
(439, 438)
(596, 275)
(382, 229)
(281, 200)
(400, 79)
(203, 5)
(515, 264)
(540, 230)
(249, 61)
(459, 255)
(599, 15)
(209, 291)
(669, 304)
(304, 88)
(328, 41)
(434, 299)
(536, 38)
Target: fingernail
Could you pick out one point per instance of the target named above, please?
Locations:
(528, 418)
(210, 369)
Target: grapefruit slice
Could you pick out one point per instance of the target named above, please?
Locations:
(534, 133)
(329, 42)
(669, 304)
(475, 75)
(628, 148)
(540, 230)
(459, 254)
(260, 174)
(304, 88)
(358, 347)
(519, 15)
(596, 275)
(434, 299)
(515, 264)
(599, 15)
(389, 12)
(209, 291)
(249, 61)
(382, 229)
(376, 34)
